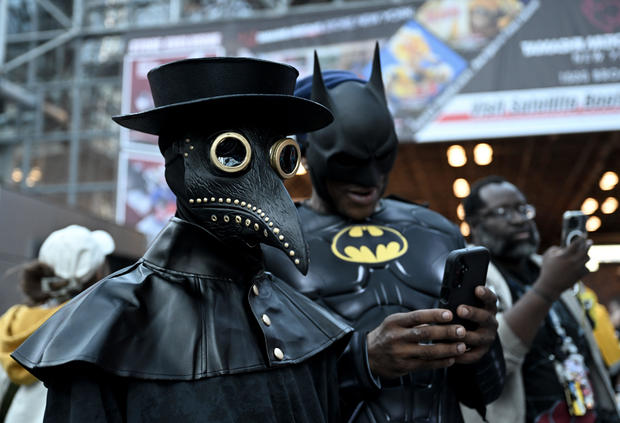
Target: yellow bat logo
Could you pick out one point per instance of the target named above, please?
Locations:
(369, 244)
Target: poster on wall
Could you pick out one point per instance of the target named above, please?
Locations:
(453, 69)
(144, 200)
(469, 69)
(558, 72)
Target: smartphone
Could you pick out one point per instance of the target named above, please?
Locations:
(573, 224)
(465, 269)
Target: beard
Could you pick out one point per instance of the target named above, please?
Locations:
(507, 248)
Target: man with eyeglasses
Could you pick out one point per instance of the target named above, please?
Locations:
(554, 369)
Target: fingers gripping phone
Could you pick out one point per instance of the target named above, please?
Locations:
(573, 225)
(465, 269)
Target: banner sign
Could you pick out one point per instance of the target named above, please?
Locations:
(144, 200)
(453, 69)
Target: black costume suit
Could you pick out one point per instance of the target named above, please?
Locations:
(364, 271)
(151, 342)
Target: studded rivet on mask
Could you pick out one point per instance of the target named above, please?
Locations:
(239, 219)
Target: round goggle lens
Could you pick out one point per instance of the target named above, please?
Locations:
(231, 152)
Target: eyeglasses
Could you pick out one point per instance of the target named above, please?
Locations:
(527, 211)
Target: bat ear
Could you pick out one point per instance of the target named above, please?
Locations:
(375, 83)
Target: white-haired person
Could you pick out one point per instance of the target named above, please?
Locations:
(70, 260)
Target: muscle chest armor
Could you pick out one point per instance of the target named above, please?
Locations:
(366, 271)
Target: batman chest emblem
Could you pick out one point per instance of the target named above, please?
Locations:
(369, 244)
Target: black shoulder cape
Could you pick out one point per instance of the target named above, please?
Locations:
(189, 309)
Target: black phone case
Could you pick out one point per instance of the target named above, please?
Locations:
(573, 224)
(465, 269)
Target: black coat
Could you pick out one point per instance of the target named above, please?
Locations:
(181, 336)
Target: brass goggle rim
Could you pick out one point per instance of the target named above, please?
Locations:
(231, 169)
(274, 156)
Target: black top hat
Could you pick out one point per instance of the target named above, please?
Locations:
(223, 91)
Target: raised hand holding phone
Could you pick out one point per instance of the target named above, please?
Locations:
(465, 269)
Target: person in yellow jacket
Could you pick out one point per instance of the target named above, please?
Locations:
(603, 329)
(70, 260)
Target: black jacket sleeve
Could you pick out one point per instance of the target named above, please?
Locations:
(482, 382)
(356, 380)
(83, 398)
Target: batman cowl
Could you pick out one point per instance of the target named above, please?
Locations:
(360, 145)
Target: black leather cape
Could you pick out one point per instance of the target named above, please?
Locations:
(187, 310)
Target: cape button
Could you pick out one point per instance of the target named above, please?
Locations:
(277, 352)
(255, 289)
(266, 320)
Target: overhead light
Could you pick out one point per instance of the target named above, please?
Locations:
(17, 175)
(610, 205)
(460, 187)
(608, 181)
(464, 229)
(456, 156)
(301, 170)
(460, 211)
(35, 174)
(593, 223)
(592, 265)
(609, 253)
(483, 154)
(589, 205)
